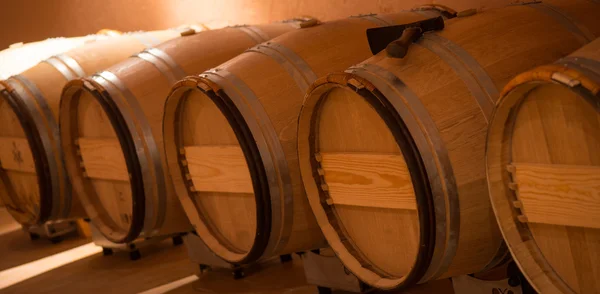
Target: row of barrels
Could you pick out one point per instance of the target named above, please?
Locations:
(293, 136)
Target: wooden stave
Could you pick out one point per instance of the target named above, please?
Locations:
(520, 239)
(168, 63)
(308, 171)
(42, 98)
(215, 84)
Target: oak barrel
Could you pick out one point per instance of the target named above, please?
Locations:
(543, 167)
(230, 138)
(391, 151)
(22, 56)
(34, 184)
(111, 130)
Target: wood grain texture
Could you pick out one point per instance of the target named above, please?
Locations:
(386, 237)
(556, 126)
(26, 190)
(501, 44)
(103, 159)
(49, 82)
(369, 180)
(334, 46)
(148, 81)
(559, 194)
(218, 169)
(15, 155)
(232, 215)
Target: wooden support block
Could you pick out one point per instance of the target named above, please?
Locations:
(517, 204)
(369, 180)
(318, 157)
(83, 228)
(219, 169)
(103, 159)
(510, 168)
(559, 194)
(15, 155)
(522, 218)
(356, 83)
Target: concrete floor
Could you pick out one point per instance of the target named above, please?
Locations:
(161, 264)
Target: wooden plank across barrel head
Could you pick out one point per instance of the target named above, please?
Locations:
(428, 113)
(367, 180)
(556, 194)
(251, 103)
(103, 159)
(36, 186)
(543, 170)
(111, 131)
(218, 169)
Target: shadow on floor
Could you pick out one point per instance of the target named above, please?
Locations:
(16, 248)
(274, 277)
(160, 264)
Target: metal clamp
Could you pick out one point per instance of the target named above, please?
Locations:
(396, 39)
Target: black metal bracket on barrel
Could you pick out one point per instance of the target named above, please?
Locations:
(397, 39)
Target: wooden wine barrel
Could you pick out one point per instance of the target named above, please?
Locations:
(35, 187)
(230, 138)
(20, 57)
(111, 130)
(391, 151)
(543, 167)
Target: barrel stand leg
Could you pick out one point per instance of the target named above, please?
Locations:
(178, 240)
(516, 278)
(201, 255)
(107, 251)
(285, 258)
(238, 272)
(324, 290)
(53, 231)
(135, 253)
(328, 272)
(508, 284)
(133, 248)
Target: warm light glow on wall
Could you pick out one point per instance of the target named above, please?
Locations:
(33, 20)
